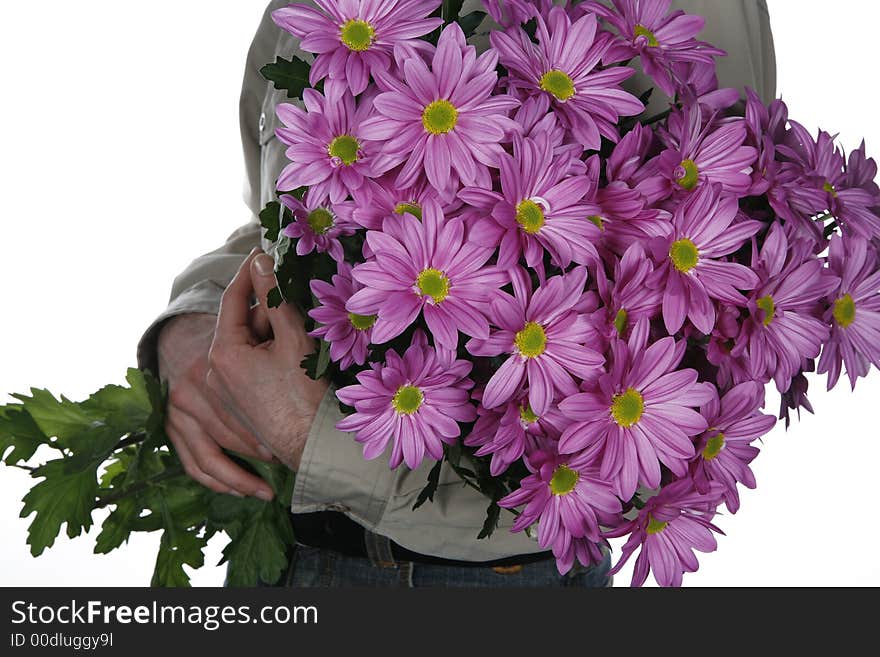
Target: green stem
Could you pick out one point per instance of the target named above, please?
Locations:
(134, 489)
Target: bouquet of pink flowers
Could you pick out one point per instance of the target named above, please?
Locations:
(508, 269)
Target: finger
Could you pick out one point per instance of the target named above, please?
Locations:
(212, 461)
(287, 324)
(233, 320)
(191, 467)
(222, 426)
(260, 325)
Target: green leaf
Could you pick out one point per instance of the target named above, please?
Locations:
(471, 22)
(117, 526)
(451, 10)
(290, 75)
(19, 431)
(429, 490)
(323, 359)
(270, 220)
(176, 550)
(64, 496)
(493, 512)
(55, 418)
(258, 549)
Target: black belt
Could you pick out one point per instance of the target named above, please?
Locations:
(332, 530)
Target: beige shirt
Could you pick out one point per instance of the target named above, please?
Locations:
(334, 474)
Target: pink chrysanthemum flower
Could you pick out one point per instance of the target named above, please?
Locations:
(850, 192)
(354, 38)
(541, 207)
(701, 152)
(638, 415)
(347, 333)
(563, 495)
(693, 271)
(660, 38)
(326, 150)
(725, 450)
(563, 65)
(414, 402)
(444, 121)
(784, 328)
(515, 12)
(627, 298)
(546, 339)
(854, 311)
(430, 267)
(317, 225)
(512, 431)
(380, 198)
(674, 523)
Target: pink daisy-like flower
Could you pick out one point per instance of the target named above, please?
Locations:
(317, 225)
(354, 38)
(725, 450)
(563, 495)
(660, 38)
(563, 65)
(784, 328)
(674, 523)
(693, 271)
(414, 402)
(347, 333)
(541, 207)
(854, 311)
(428, 267)
(701, 151)
(444, 121)
(546, 339)
(627, 297)
(638, 415)
(514, 12)
(511, 431)
(380, 198)
(326, 150)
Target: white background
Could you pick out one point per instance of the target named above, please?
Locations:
(120, 162)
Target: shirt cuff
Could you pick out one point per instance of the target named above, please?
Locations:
(203, 297)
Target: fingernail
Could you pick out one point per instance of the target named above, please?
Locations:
(265, 453)
(265, 495)
(264, 264)
(235, 493)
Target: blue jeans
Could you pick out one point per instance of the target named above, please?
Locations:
(316, 567)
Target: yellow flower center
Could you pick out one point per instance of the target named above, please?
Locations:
(564, 480)
(557, 83)
(527, 415)
(531, 342)
(627, 407)
(357, 35)
(829, 188)
(767, 305)
(597, 221)
(407, 400)
(621, 321)
(530, 216)
(642, 31)
(684, 255)
(320, 220)
(688, 175)
(433, 283)
(344, 147)
(713, 447)
(440, 117)
(845, 311)
(409, 208)
(362, 322)
(655, 526)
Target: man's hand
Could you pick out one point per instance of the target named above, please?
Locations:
(197, 422)
(261, 382)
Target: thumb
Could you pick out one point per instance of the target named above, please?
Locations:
(285, 321)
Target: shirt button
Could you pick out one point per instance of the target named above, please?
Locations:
(262, 122)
